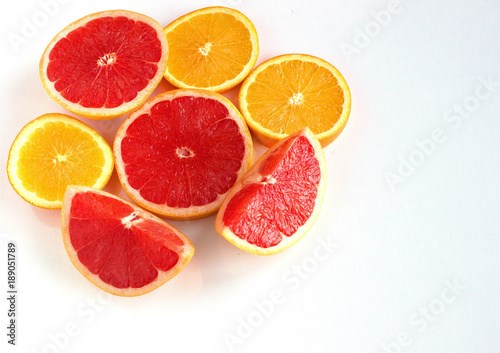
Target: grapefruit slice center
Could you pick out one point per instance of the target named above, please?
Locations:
(279, 196)
(184, 152)
(105, 62)
(117, 244)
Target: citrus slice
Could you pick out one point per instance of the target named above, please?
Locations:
(105, 64)
(53, 151)
(212, 48)
(286, 93)
(119, 247)
(180, 153)
(278, 199)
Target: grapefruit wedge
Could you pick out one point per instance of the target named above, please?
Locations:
(278, 199)
(119, 247)
(180, 153)
(105, 64)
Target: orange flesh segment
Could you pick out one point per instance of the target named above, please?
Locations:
(208, 49)
(46, 169)
(291, 95)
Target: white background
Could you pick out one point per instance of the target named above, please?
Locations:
(406, 219)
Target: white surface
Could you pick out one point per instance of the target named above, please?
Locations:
(396, 250)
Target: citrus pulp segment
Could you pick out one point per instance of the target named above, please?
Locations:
(53, 151)
(278, 199)
(105, 64)
(180, 153)
(288, 92)
(119, 247)
(212, 48)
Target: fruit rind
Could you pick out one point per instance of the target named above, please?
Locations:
(250, 177)
(193, 212)
(104, 113)
(226, 86)
(22, 138)
(269, 137)
(162, 278)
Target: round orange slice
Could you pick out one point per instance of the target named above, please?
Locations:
(289, 92)
(105, 64)
(278, 199)
(54, 151)
(212, 48)
(119, 247)
(180, 153)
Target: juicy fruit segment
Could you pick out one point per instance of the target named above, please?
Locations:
(278, 199)
(53, 151)
(290, 92)
(180, 153)
(212, 48)
(119, 247)
(105, 64)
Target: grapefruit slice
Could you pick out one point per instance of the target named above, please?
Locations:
(212, 48)
(180, 153)
(105, 64)
(119, 247)
(278, 199)
(288, 92)
(54, 151)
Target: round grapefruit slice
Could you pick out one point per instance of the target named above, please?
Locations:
(180, 153)
(278, 199)
(119, 247)
(105, 64)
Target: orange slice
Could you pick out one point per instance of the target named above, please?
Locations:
(105, 64)
(119, 247)
(53, 151)
(212, 48)
(288, 92)
(278, 199)
(181, 152)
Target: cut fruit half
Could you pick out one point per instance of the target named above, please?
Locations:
(289, 92)
(119, 247)
(105, 64)
(278, 199)
(54, 151)
(180, 153)
(212, 48)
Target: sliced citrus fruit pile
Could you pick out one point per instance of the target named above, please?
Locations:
(180, 153)
(119, 247)
(278, 199)
(212, 48)
(105, 64)
(288, 92)
(53, 151)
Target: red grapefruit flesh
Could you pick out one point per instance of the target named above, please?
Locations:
(278, 199)
(105, 64)
(180, 153)
(119, 247)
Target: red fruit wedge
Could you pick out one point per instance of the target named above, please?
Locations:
(278, 199)
(180, 153)
(119, 247)
(105, 64)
